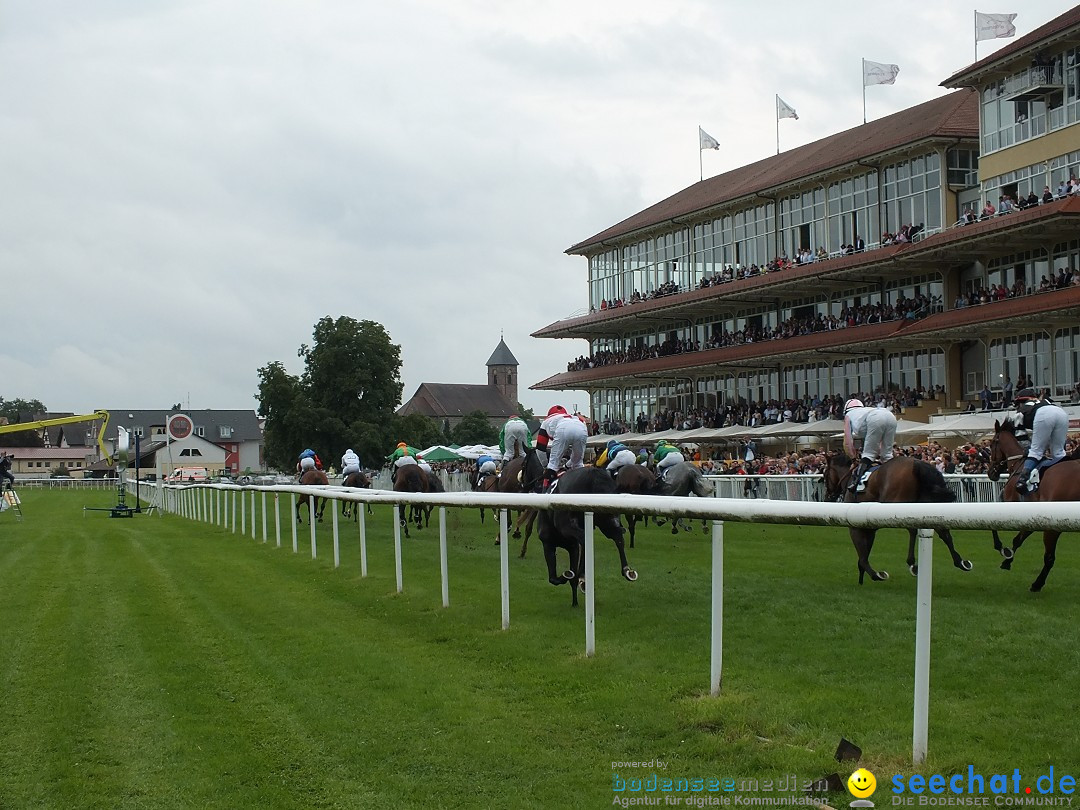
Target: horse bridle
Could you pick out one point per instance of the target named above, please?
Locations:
(1006, 462)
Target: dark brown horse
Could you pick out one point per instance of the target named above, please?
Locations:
(522, 474)
(1060, 482)
(901, 479)
(312, 478)
(566, 529)
(356, 480)
(635, 479)
(411, 478)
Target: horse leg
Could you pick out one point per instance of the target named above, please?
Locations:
(613, 530)
(631, 523)
(957, 560)
(912, 567)
(1049, 555)
(1004, 551)
(529, 515)
(320, 507)
(1017, 541)
(863, 539)
(549, 558)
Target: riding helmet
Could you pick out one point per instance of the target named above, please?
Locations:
(853, 403)
(1025, 395)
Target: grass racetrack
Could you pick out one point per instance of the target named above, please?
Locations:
(159, 662)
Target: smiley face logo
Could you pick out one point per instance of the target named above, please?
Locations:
(862, 784)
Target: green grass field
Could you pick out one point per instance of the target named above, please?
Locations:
(159, 662)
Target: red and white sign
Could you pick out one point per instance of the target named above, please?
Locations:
(180, 426)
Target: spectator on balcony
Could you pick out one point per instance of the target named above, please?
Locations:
(1063, 188)
(1048, 195)
(1032, 199)
(1005, 205)
(859, 244)
(988, 210)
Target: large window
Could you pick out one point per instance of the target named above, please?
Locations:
(912, 194)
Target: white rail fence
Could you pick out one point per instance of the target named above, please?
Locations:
(224, 505)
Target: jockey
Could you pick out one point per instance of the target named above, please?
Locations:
(666, 455)
(615, 456)
(350, 463)
(514, 438)
(643, 456)
(486, 465)
(877, 429)
(567, 436)
(308, 461)
(402, 456)
(1048, 426)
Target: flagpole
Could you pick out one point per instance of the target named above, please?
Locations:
(700, 165)
(976, 35)
(864, 89)
(778, 123)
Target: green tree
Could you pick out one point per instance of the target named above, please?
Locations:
(344, 398)
(22, 410)
(416, 430)
(525, 413)
(475, 428)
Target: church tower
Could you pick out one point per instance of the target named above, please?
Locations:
(502, 372)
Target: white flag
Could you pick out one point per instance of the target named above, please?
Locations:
(706, 140)
(785, 110)
(878, 73)
(994, 26)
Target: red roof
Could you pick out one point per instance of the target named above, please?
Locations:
(1069, 19)
(954, 115)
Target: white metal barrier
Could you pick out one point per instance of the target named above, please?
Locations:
(184, 500)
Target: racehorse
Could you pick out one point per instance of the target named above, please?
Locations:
(488, 482)
(681, 480)
(522, 474)
(636, 479)
(901, 479)
(564, 529)
(1060, 482)
(312, 478)
(411, 478)
(356, 480)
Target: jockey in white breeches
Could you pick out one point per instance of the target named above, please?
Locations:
(568, 438)
(514, 438)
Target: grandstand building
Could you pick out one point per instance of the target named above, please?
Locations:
(877, 259)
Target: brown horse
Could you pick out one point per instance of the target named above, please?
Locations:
(901, 479)
(411, 478)
(522, 474)
(1060, 482)
(356, 480)
(312, 478)
(636, 479)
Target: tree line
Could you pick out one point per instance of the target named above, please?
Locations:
(346, 397)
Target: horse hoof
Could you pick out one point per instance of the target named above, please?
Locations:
(1007, 553)
(568, 575)
(498, 542)
(1035, 587)
(965, 565)
(882, 576)
(557, 580)
(914, 569)
(686, 528)
(516, 535)
(1006, 564)
(630, 574)
(581, 584)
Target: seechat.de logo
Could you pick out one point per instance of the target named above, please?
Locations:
(862, 785)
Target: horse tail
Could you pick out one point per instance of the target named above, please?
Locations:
(932, 486)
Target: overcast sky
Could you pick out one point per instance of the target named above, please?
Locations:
(187, 187)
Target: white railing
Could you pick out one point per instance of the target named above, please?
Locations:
(211, 503)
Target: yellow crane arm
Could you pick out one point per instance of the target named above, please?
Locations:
(67, 420)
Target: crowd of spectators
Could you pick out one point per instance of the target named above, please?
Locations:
(1008, 203)
(910, 308)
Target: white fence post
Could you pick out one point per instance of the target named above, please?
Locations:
(717, 652)
(504, 567)
(292, 520)
(397, 545)
(363, 539)
(253, 520)
(277, 520)
(337, 554)
(311, 523)
(590, 588)
(442, 558)
(922, 646)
